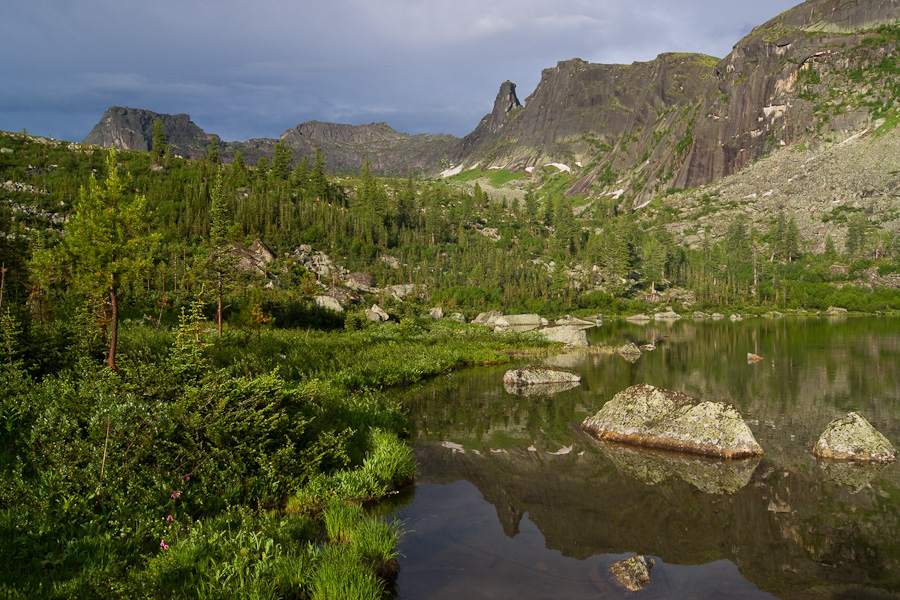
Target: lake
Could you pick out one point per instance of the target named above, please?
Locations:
(514, 501)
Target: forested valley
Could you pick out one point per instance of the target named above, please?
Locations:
(175, 425)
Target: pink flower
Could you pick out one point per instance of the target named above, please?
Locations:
(175, 494)
(163, 544)
(187, 477)
(170, 518)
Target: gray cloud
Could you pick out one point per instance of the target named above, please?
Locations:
(246, 70)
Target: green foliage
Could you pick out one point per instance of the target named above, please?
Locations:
(159, 149)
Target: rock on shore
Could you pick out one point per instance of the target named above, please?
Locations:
(644, 415)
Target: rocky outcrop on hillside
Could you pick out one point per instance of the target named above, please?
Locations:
(391, 152)
(491, 124)
(801, 75)
(132, 128)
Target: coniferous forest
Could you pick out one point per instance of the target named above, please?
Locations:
(174, 425)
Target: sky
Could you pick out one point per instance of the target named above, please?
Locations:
(245, 69)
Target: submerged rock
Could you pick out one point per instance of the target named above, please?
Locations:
(852, 437)
(644, 415)
(641, 318)
(534, 375)
(630, 352)
(566, 334)
(634, 572)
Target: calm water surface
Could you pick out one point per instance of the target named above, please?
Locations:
(513, 501)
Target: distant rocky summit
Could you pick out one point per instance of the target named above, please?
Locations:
(810, 75)
(644, 415)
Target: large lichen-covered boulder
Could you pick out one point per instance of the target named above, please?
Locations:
(518, 322)
(566, 334)
(852, 437)
(329, 303)
(377, 314)
(644, 415)
(537, 375)
(488, 318)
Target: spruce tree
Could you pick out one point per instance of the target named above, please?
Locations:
(159, 147)
(107, 245)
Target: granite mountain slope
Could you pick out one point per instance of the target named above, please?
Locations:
(818, 74)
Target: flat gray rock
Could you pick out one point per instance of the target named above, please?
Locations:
(537, 375)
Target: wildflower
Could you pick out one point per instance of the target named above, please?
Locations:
(175, 494)
(187, 477)
(163, 544)
(170, 518)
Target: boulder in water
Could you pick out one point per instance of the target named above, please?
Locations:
(852, 437)
(634, 572)
(644, 415)
(535, 375)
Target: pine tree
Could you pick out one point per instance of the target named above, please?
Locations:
(318, 182)
(107, 246)
(212, 150)
(282, 160)
(158, 148)
(221, 262)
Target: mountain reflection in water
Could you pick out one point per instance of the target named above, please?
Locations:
(514, 501)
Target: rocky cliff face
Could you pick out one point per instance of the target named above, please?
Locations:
(816, 74)
(812, 73)
(132, 128)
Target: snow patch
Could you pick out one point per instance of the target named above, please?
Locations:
(753, 195)
(451, 171)
(617, 194)
(769, 193)
(562, 451)
(560, 166)
(529, 169)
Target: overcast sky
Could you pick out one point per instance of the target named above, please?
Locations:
(244, 69)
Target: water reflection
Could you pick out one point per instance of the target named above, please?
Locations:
(854, 476)
(653, 467)
(539, 389)
(792, 526)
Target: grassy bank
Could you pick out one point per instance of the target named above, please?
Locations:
(230, 468)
